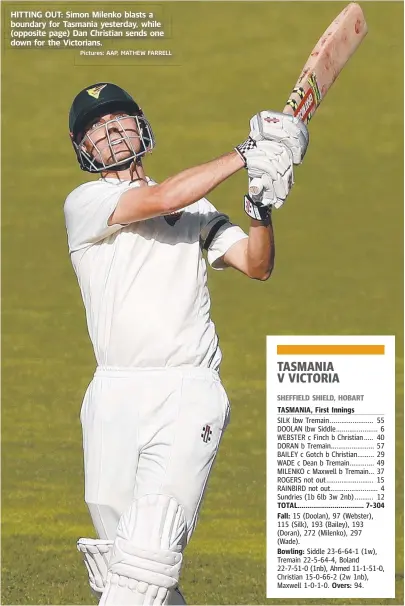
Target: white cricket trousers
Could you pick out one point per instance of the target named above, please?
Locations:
(153, 431)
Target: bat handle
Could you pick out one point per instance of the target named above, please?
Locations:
(255, 186)
(288, 110)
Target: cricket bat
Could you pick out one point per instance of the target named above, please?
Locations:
(328, 58)
(324, 64)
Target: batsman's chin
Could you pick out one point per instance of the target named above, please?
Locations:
(119, 155)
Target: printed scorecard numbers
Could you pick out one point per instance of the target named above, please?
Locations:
(331, 467)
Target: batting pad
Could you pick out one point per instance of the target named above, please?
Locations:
(147, 554)
(96, 556)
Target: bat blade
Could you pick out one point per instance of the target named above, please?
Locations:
(330, 55)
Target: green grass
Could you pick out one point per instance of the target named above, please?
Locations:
(338, 269)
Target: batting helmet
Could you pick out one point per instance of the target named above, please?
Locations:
(97, 100)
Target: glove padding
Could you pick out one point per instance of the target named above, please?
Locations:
(282, 128)
(270, 166)
(255, 203)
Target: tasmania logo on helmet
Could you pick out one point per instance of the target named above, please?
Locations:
(95, 92)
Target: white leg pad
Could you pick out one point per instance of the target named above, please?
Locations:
(147, 554)
(96, 556)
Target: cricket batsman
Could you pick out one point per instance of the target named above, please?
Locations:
(155, 411)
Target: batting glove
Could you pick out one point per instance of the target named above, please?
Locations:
(271, 176)
(282, 128)
(255, 203)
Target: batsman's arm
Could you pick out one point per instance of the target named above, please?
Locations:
(254, 256)
(183, 189)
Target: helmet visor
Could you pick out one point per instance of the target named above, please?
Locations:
(115, 142)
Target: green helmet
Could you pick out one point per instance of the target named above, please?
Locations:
(97, 100)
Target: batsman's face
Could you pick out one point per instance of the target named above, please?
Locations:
(112, 138)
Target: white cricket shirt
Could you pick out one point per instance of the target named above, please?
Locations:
(144, 285)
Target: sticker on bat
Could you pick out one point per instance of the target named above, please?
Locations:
(314, 85)
(307, 106)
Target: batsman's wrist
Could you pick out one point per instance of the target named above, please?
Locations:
(239, 159)
(258, 213)
(244, 147)
(262, 223)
